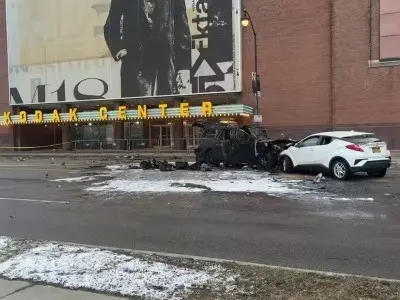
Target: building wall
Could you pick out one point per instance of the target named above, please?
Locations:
(316, 66)
(294, 54)
(316, 62)
(365, 97)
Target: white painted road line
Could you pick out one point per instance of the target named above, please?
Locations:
(34, 200)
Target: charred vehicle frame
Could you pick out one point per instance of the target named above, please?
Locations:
(235, 146)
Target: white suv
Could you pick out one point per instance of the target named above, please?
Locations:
(340, 153)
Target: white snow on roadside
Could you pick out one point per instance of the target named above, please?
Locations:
(139, 181)
(123, 167)
(4, 242)
(105, 271)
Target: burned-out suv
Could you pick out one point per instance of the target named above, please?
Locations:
(238, 145)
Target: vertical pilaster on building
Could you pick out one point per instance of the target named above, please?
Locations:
(119, 132)
(66, 132)
(177, 129)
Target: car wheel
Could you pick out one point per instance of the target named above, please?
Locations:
(379, 174)
(261, 162)
(340, 169)
(209, 159)
(287, 165)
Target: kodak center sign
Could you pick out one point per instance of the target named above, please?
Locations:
(123, 113)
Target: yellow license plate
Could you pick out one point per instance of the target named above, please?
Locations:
(376, 150)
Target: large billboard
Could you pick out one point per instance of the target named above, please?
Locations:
(63, 51)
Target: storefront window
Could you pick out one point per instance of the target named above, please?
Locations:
(93, 136)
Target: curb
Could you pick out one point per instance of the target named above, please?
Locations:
(240, 263)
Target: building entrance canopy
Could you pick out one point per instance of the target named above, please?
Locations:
(184, 111)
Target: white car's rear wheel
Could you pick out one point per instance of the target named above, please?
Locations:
(340, 169)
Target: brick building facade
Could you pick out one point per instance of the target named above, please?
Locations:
(320, 67)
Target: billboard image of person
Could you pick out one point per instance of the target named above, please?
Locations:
(152, 40)
(121, 49)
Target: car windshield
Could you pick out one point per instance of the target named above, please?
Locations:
(362, 139)
(209, 133)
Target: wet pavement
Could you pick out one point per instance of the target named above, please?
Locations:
(349, 227)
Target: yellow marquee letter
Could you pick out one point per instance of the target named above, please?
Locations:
(207, 109)
(103, 113)
(142, 111)
(38, 116)
(23, 117)
(7, 118)
(122, 112)
(56, 116)
(184, 109)
(163, 108)
(73, 117)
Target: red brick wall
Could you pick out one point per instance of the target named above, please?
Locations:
(366, 98)
(6, 133)
(294, 61)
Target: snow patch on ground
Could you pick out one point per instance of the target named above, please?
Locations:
(139, 181)
(104, 271)
(4, 241)
(123, 167)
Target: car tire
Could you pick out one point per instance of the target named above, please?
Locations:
(261, 162)
(379, 174)
(340, 169)
(287, 165)
(209, 159)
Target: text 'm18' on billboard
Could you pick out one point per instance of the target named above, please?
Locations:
(63, 51)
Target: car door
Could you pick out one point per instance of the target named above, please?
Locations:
(302, 153)
(322, 152)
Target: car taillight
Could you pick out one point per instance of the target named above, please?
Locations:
(354, 148)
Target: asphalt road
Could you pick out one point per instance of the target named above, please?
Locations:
(358, 237)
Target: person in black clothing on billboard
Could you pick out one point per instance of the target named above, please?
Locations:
(152, 40)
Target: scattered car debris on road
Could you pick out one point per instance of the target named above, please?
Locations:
(318, 179)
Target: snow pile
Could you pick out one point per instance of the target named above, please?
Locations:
(192, 186)
(139, 181)
(105, 271)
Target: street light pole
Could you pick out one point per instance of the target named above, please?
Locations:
(246, 20)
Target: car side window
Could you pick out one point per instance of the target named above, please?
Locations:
(209, 133)
(325, 140)
(310, 142)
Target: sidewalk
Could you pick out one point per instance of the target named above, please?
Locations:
(19, 290)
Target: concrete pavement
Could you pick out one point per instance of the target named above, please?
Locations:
(19, 290)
